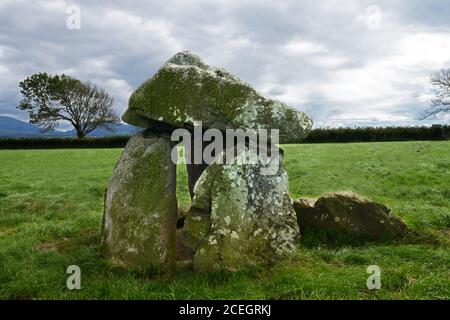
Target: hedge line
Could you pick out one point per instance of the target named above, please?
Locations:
(436, 132)
(62, 143)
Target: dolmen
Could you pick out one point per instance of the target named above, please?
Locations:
(241, 214)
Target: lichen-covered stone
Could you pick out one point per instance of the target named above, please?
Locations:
(240, 217)
(348, 212)
(186, 90)
(140, 205)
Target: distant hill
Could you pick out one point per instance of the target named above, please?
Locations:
(11, 127)
(14, 128)
(118, 129)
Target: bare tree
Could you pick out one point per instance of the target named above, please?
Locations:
(92, 109)
(51, 99)
(441, 90)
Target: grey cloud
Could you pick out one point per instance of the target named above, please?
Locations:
(316, 55)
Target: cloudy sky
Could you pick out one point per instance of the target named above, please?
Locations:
(345, 62)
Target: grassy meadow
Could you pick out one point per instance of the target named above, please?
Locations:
(51, 204)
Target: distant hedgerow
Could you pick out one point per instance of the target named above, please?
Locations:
(370, 134)
(323, 135)
(61, 143)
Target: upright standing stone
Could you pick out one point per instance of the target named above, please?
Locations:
(240, 217)
(140, 204)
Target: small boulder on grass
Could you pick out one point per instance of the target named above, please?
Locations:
(348, 212)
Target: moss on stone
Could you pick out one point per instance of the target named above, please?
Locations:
(186, 90)
(140, 205)
(349, 213)
(250, 215)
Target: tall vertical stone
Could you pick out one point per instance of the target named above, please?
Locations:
(240, 216)
(140, 214)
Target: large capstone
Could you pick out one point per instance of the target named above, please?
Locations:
(241, 216)
(350, 213)
(185, 91)
(140, 205)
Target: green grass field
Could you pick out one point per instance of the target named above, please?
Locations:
(51, 211)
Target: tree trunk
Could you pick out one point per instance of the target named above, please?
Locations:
(80, 135)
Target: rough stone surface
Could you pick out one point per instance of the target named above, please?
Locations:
(348, 212)
(186, 90)
(140, 205)
(240, 217)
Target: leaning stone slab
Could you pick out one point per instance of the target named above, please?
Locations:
(240, 217)
(140, 205)
(348, 212)
(186, 90)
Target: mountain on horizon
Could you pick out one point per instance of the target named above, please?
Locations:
(13, 128)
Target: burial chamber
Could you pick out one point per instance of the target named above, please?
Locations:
(239, 216)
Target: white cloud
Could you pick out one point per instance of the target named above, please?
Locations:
(422, 51)
(122, 91)
(299, 48)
